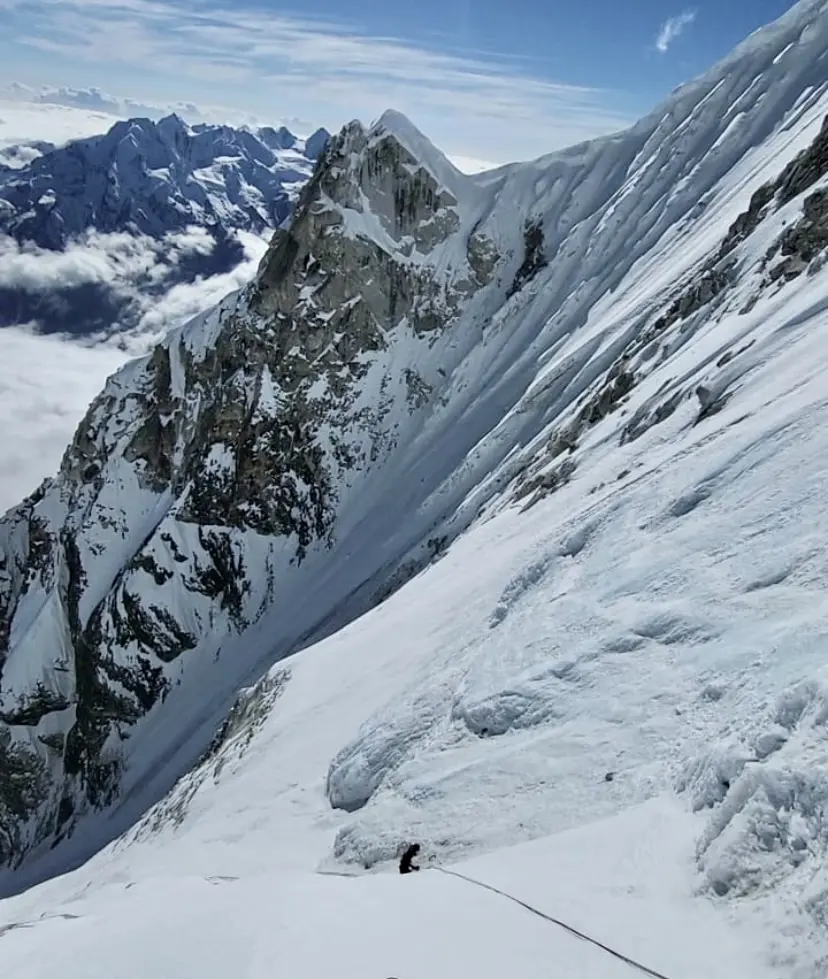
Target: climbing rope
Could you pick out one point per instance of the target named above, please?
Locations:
(555, 921)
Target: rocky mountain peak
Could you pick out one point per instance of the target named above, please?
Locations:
(173, 130)
(150, 180)
(373, 199)
(390, 185)
(394, 125)
(223, 465)
(417, 346)
(148, 176)
(277, 139)
(315, 143)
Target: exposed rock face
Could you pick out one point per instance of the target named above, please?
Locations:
(804, 171)
(533, 257)
(748, 221)
(806, 240)
(203, 471)
(808, 237)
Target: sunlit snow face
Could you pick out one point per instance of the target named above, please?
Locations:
(658, 615)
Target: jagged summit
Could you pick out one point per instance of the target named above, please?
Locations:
(395, 124)
(153, 177)
(315, 143)
(173, 126)
(281, 138)
(379, 189)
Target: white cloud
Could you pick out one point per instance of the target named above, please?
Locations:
(46, 385)
(672, 27)
(119, 260)
(93, 99)
(98, 104)
(133, 269)
(25, 122)
(473, 105)
(47, 382)
(184, 301)
(17, 157)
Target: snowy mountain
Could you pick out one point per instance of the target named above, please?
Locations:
(156, 177)
(151, 180)
(557, 429)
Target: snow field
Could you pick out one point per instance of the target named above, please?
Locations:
(627, 881)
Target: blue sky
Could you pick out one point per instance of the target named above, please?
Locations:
(487, 79)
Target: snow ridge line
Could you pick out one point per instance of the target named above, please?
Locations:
(555, 921)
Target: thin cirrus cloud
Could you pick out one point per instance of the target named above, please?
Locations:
(94, 100)
(468, 102)
(672, 28)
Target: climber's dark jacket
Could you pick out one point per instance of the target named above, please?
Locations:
(406, 866)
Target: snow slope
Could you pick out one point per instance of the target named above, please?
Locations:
(668, 627)
(567, 415)
(628, 879)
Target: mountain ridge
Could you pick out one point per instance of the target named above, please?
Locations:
(416, 354)
(139, 154)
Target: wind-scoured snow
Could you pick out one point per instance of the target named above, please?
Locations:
(603, 497)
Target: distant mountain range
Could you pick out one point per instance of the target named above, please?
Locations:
(146, 179)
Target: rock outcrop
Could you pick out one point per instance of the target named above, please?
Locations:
(208, 469)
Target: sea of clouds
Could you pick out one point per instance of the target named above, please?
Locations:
(48, 379)
(49, 371)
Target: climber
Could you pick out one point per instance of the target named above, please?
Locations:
(406, 865)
